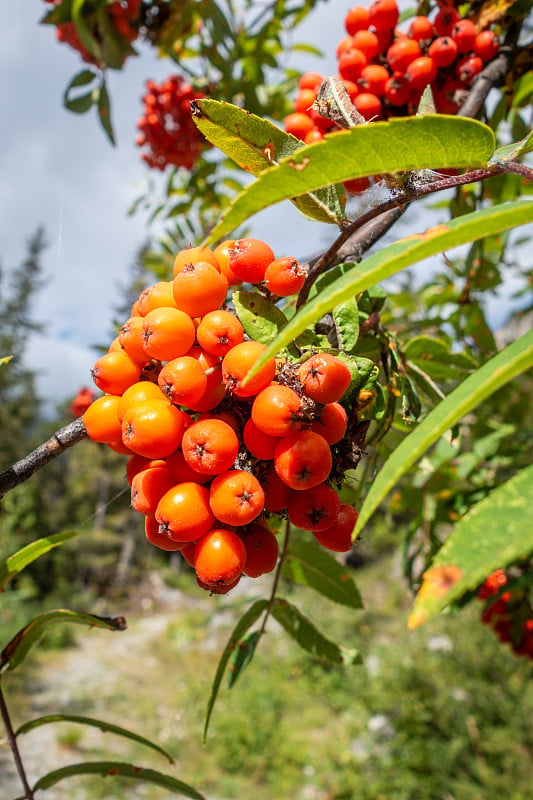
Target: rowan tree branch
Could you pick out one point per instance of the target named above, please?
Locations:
(57, 444)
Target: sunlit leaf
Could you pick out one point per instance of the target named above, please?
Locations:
(107, 769)
(495, 373)
(310, 565)
(401, 144)
(18, 561)
(104, 726)
(256, 144)
(496, 532)
(511, 152)
(17, 649)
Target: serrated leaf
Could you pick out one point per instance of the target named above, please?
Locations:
(310, 565)
(255, 144)
(242, 656)
(495, 373)
(245, 622)
(401, 144)
(346, 316)
(397, 256)
(18, 561)
(117, 769)
(260, 318)
(17, 649)
(496, 532)
(308, 637)
(512, 152)
(104, 726)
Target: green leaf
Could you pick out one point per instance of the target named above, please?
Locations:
(83, 30)
(397, 256)
(242, 656)
(107, 769)
(346, 316)
(245, 622)
(255, 144)
(310, 565)
(495, 373)
(304, 632)
(77, 103)
(401, 144)
(17, 649)
(496, 532)
(106, 727)
(512, 152)
(5, 360)
(104, 113)
(260, 318)
(434, 357)
(18, 561)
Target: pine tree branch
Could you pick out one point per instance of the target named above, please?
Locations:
(38, 458)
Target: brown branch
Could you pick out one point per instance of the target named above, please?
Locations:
(57, 444)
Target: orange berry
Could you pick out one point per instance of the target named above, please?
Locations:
(183, 380)
(153, 428)
(219, 331)
(277, 410)
(130, 338)
(114, 372)
(161, 540)
(237, 364)
(101, 420)
(284, 276)
(261, 550)
(332, 423)
(351, 63)
(277, 492)
(183, 512)
(310, 80)
(250, 257)
(367, 42)
(236, 497)
(304, 100)
(219, 559)
(324, 377)
(223, 254)
(137, 393)
(160, 295)
(314, 509)
(136, 463)
(148, 487)
(193, 255)
(210, 446)
(299, 125)
(303, 459)
(339, 536)
(181, 472)
(199, 288)
(260, 444)
(167, 333)
(356, 19)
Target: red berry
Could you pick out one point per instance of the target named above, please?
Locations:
(420, 29)
(486, 45)
(383, 14)
(357, 19)
(445, 20)
(401, 53)
(351, 64)
(464, 35)
(443, 51)
(421, 72)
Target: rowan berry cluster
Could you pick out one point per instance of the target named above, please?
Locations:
(123, 16)
(510, 615)
(385, 69)
(214, 452)
(166, 127)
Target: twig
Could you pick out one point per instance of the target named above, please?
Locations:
(12, 739)
(277, 576)
(57, 444)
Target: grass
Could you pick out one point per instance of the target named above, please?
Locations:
(442, 713)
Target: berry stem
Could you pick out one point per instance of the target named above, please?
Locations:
(38, 458)
(12, 739)
(277, 576)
